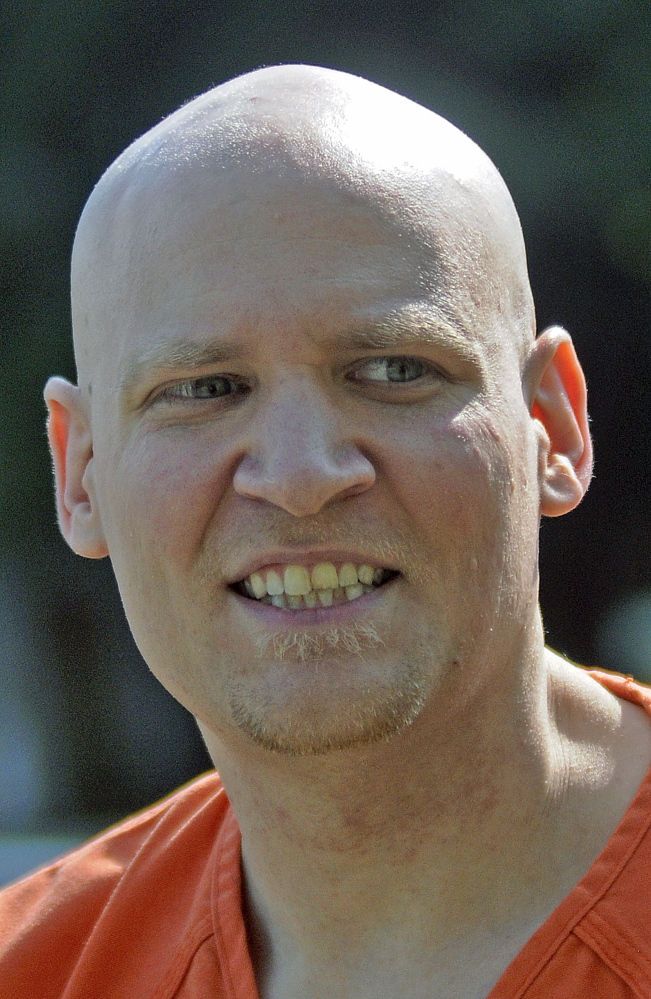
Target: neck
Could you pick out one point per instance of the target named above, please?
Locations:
(410, 834)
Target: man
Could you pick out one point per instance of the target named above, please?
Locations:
(315, 434)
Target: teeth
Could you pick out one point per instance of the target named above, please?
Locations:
(298, 587)
(275, 587)
(347, 574)
(297, 581)
(258, 585)
(324, 576)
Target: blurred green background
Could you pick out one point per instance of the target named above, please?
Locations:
(557, 93)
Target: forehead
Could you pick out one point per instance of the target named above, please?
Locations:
(238, 218)
(226, 256)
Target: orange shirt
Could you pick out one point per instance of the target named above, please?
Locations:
(151, 910)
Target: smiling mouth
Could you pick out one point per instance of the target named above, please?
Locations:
(324, 585)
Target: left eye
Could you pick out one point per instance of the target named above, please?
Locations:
(210, 387)
(392, 369)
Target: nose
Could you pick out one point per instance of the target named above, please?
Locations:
(301, 457)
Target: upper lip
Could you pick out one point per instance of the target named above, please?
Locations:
(303, 556)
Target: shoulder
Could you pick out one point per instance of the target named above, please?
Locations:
(47, 919)
(594, 701)
(626, 687)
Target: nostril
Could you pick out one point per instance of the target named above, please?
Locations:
(356, 489)
(300, 455)
(301, 496)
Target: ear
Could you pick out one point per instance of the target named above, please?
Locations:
(71, 444)
(557, 394)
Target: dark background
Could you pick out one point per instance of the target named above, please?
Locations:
(557, 93)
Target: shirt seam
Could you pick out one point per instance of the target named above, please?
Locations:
(562, 935)
(169, 984)
(217, 928)
(584, 911)
(610, 945)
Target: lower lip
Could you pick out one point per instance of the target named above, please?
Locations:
(306, 616)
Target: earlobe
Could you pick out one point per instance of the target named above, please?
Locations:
(558, 402)
(70, 439)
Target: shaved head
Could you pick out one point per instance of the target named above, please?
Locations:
(325, 136)
(302, 305)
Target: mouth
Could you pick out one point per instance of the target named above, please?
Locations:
(325, 584)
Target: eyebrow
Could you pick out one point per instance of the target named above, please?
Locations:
(185, 354)
(388, 332)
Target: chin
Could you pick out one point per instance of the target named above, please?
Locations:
(302, 716)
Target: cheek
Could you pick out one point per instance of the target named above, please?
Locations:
(164, 490)
(466, 487)
(159, 498)
(454, 481)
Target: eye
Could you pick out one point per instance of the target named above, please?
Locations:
(392, 369)
(209, 387)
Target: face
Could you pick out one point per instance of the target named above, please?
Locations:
(286, 400)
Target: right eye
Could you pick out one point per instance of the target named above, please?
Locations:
(208, 387)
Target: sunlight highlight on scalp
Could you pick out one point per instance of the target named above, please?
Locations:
(301, 125)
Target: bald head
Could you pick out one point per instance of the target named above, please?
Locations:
(304, 134)
(303, 306)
